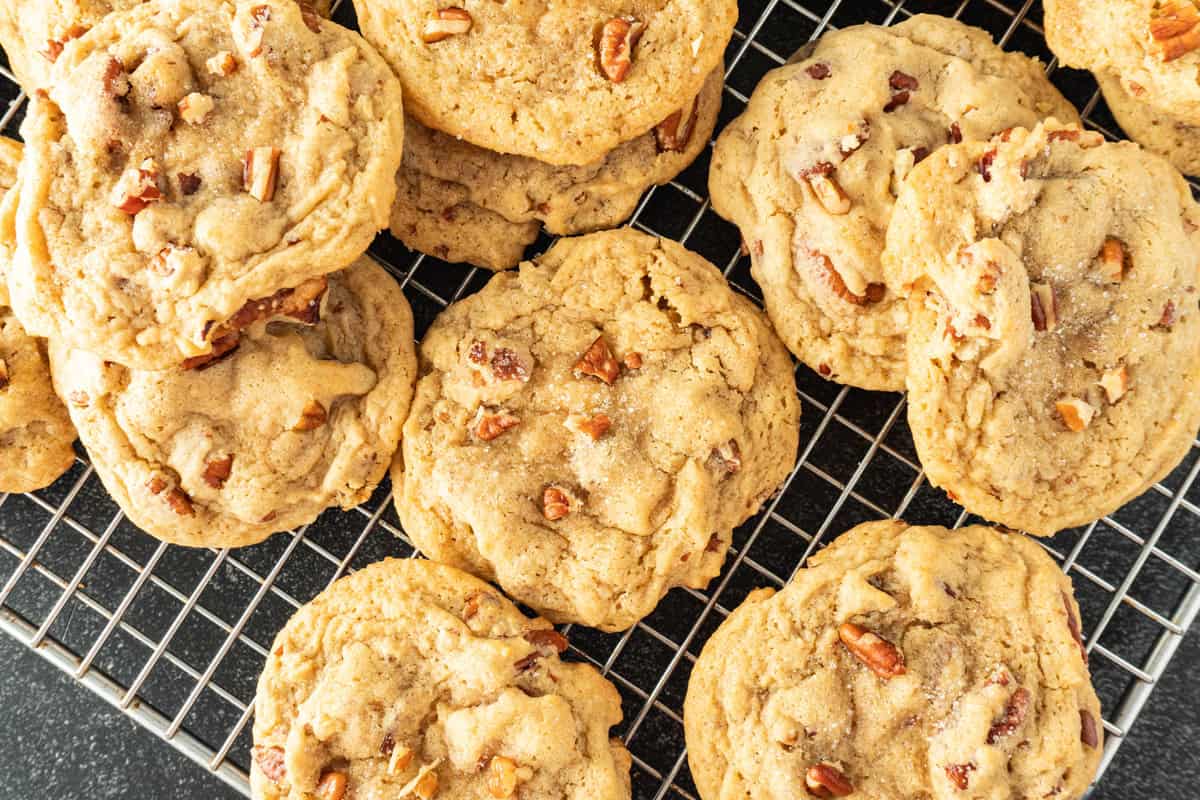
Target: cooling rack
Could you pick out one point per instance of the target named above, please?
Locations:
(176, 638)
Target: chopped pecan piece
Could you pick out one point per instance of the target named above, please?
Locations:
(301, 303)
(332, 786)
(189, 183)
(985, 165)
(955, 133)
(195, 108)
(1169, 316)
(222, 348)
(1175, 26)
(507, 365)
(179, 502)
(426, 785)
(270, 761)
(826, 780)
(502, 777)
(217, 471)
(445, 23)
(1114, 260)
(632, 361)
(674, 132)
(595, 426)
(829, 194)
(1014, 714)
(137, 188)
(388, 745)
(959, 775)
(399, 758)
(259, 16)
(223, 64)
(1074, 627)
(898, 99)
(260, 172)
(1042, 307)
(1084, 139)
(490, 424)
(618, 37)
(727, 456)
(880, 655)
(818, 71)
(1089, 733)
(901, 81)
(312, 20)
(546, 640)
(156, 484)
(833, 281)
(54, 47)
(1115, 383)
(598, 362)
(312, 416)
(556, 504)
(1076, 414)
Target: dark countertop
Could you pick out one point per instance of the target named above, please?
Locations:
(61, 741)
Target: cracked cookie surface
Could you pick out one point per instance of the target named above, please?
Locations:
(903, 662)
(296, 419)
(190, 157)
(36, 434)
(564, 84)
(460, 202)
(809, 173)
(1054, 336)
(588, 431)
(413, 679)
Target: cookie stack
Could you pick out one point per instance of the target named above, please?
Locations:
(198, 185)
(921, 215)
(1145, 55)
(523, 116)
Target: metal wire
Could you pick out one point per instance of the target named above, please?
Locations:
(175, 638)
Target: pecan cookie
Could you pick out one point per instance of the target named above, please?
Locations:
(192, 157)
(410, 679)
(298, 418)
(1054, 339)
(35, 431)
(810, 171)
(1145, 54)
(589, 430)
(34, 33)
(464, 203)
(903, 662)
(1155, 130)
(561, 83)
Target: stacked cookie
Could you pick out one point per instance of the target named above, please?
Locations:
(1145, 54)
(198, 184)
(919, 217)
(523, 117)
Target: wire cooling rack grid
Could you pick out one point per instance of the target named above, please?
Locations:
(177, 637)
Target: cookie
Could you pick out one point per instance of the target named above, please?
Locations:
(410, 679)
(296, 419)
(35, 433)
(903, 662)
(1054, 339)
(460, 202)
(34, 33)
(1151, 46)
(809, 173)
(564, 84)
(191, 158)
(588, 431)
(1159, 132)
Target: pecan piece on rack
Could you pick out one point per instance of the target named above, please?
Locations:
(673, 133)
(445, 23)
(1014, 714)
(959, 775)
(618, 37)
(270, 761)
(556, 503)
(217, 471)
(825, 780)
(491, 424)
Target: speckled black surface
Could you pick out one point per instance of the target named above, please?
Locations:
(58, 740)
